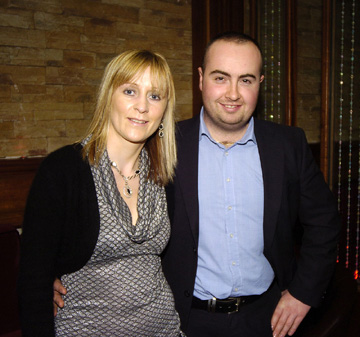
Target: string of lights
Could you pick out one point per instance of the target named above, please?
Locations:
(272, 51)
(346, 133)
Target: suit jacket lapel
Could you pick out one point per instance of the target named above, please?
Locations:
(187, 171)
(272, 165)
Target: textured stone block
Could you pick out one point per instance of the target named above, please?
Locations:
(17, 19)
(5, 91)
(80, 93)
(55, 143)
(6, 129)
(63, 40)
(23, 147)
(183, 96)
(10, 112)
(23, 74)
(64, 76)
(39, 129)
(180, 7)
(22, 37)
(99, 10)
(53, 55)
(27, 56)
(184, 111)
(76, 128)
(56, 22)
(78, 59)
(60, 111)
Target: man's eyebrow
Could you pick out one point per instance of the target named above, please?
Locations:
(216, 71)
(248, 75)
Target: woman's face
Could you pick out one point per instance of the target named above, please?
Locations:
(137, 109)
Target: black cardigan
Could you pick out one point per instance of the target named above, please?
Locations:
(60, 230)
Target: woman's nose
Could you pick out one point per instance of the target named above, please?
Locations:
(142, 104)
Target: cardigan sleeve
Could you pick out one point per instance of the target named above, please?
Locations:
(60, 230)
(41, 239)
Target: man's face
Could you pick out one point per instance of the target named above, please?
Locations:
(230, 86)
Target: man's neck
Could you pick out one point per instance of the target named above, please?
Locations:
(227, 137)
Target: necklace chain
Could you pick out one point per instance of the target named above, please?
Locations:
(127, 190)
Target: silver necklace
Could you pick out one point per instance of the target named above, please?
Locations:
(127, 190)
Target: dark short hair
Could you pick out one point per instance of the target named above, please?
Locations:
(232, 36)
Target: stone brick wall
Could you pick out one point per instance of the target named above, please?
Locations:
(52, 57)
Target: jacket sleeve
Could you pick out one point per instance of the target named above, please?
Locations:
(44, 215)
(320, 222)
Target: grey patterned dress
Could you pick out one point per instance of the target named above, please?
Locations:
(122, 290)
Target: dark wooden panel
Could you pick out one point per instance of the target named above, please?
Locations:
(291, 62)
(200, 37)
(16, 176)
(325, 154)
(226, 15)
(209, 18)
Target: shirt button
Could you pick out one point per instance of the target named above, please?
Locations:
(226, 153)
(229, 208)
(236, 289)
(233, 263)
(228, 180)
(231, 235)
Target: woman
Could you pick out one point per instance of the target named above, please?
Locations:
(96, 214)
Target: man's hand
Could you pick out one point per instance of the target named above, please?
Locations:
(59, 290)
(288, 315)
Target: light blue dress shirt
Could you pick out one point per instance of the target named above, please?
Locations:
(231, 209)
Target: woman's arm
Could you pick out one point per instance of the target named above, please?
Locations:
(44, 215)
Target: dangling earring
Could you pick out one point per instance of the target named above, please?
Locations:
(161, 130)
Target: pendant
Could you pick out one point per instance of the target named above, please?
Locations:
(127, 191)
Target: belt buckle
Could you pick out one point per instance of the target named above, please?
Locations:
(211, 305)
(237, 305)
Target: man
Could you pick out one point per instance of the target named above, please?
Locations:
(241, 187)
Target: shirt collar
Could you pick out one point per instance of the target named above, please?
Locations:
(249, 134)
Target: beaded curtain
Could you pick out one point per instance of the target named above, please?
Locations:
(272, 44)
(344, 135)
(346, 100)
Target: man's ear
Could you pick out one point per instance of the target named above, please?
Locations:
(262, 78)
(200, 70)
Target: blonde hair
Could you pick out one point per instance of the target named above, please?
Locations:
(122, 69)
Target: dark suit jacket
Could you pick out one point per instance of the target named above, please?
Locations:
(295, 193)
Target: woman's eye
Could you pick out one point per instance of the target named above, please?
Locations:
(155, 97)
(129, 92)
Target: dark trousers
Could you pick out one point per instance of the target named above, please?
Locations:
(252, 320)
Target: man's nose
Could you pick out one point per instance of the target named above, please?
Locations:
(233, 92)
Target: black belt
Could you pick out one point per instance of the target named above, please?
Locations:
(227, 305)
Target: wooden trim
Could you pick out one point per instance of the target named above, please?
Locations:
(209, 18)
(291, 63)
(200, 36)
(325, 90)
(253, 19)
(16, 176)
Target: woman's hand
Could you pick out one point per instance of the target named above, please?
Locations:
(59, 291)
